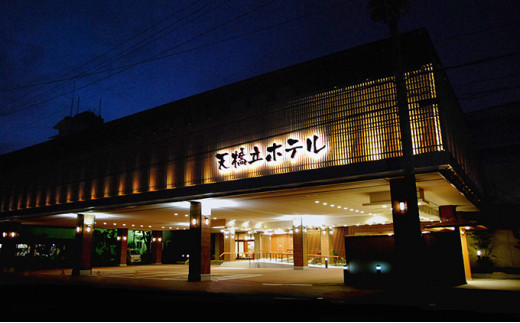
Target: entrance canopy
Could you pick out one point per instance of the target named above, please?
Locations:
(332, 205)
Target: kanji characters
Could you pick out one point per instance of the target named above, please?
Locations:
(276, 151)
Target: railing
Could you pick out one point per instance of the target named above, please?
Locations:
(317, 259)
(283, 257)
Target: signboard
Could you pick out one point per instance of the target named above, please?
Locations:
(268, 153)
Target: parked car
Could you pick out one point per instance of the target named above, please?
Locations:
(133, 256)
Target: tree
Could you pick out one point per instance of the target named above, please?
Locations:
(484, 241)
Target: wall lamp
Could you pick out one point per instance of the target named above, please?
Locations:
(378, 269)
(11, 234)
(400, 207)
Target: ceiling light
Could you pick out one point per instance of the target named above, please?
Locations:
(316, 202)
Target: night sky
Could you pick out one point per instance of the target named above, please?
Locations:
(135, 55)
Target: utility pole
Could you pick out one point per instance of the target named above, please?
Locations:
(407, 228)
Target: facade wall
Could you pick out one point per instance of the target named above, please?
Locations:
(349, 125)
(334, 112)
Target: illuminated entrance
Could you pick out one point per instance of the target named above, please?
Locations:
(260, 227)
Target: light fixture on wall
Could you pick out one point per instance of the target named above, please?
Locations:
(399, 207)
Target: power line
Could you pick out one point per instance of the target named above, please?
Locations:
(483, 60)
(168, 53)
(85, 73)
(487, 80)
(121, 69)
(122, 43)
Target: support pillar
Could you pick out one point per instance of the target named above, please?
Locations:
(157, 247)
(465, 252)
(447, 213)
(122, 238)
(9, 239)
(258, 245)
(200, 247)
(300, 258)
(409, 244)
(230, 246)
(83, 243)
(326, 245)
(219, 245)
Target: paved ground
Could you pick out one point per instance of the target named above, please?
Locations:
(161, 292)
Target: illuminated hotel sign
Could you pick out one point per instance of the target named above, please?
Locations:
(292, 149)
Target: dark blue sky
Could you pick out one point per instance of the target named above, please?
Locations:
(135, 55)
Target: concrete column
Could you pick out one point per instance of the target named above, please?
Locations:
(157, 247)
(219, 244)
(200, 247)
(409, 245)
(465, 252)
(447, 213)
(258, 245)
(9, 239)
(122, 238)
(326, 245)
(83, 243)
(229, 246)
(300, 245)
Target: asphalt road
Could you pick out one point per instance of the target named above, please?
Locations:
(31, 298)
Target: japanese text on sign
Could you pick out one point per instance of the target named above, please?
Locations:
(275, 151)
